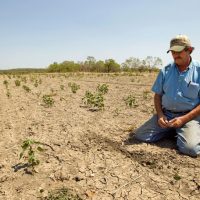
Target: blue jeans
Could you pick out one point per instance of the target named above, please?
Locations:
(188, 136)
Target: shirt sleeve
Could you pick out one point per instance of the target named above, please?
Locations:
(158, 84)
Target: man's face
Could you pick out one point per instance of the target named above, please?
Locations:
(181, 58)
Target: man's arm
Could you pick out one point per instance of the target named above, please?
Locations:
(162, 119)
(180, 121)
(192, 114)
(158, 104)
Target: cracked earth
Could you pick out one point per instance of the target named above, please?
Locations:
(91, 152)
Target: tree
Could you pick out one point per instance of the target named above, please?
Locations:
(100, 66)
(153, 62)
(111, 66)
(131, 64)
(90, 63)
(53, 67)
(69, 66)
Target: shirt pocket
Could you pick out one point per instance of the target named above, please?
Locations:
(190, 90)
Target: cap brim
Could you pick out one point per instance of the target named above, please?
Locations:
(176, 49)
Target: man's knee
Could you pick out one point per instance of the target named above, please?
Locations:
(188, 148)
(145, 136)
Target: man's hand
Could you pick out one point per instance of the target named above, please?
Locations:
(163, 122)
(176, 122)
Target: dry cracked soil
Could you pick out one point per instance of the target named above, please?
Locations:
(89, 151)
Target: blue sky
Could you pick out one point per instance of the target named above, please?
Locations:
(36, 33)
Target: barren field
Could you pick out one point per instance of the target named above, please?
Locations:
(86, 150)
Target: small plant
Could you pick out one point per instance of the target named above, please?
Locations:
(146, 94)
(38, 94)
(95, 100)
(103, 89)
(23, 79)
(40, 81)
(48, 100)
(62, 87)
(17, 82)
(117, 111)
(177, 177)
(74, 87)
(52, 90)
(26, 88)
(36, 83)
(8, 94)
(29, 149)
(5, 82)
(62, 194)
(130, 101)
(32, 78)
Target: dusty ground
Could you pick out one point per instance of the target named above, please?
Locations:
(88, 153)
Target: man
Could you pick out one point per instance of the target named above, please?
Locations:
(176, 100)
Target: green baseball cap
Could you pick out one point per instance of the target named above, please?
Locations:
(179, 43)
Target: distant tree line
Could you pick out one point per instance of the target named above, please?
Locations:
(92, 65)
(110, 65)
(23, 71)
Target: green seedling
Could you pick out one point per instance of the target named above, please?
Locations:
(8, 94)
(48, 100)
(29, 149)
(23, 79)
(74, 87)
(36, 83)
(5, 82)
(117, 111)
(62, 87)
(17, 82)
(26, 88)
(62, 194)
(93, 100)
(177, 177)
(103, 89)
(146, 94)
(40, 81)
(130, 101)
